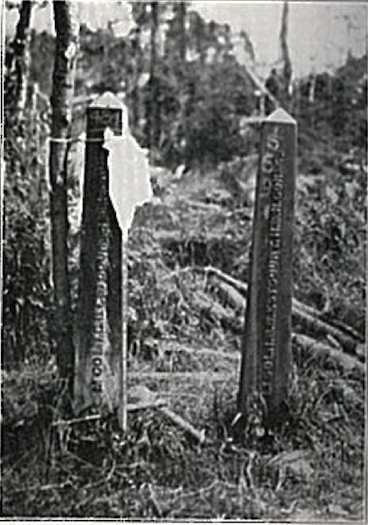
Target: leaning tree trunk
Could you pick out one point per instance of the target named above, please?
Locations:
(67, 40)
(19, 58)
(285, 55)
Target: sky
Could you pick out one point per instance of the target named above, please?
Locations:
(320, 33)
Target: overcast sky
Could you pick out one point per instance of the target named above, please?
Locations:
(320, 33)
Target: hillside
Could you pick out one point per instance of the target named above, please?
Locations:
(184, 343)
(183, 455)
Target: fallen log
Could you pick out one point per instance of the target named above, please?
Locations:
(324, 354)
(343, 327)
(303, 315)
(231, 296)
(324, 317)
(238, 285)
(315, 326)
(313, 349)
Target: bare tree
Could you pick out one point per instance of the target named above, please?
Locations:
(182, 13)
(67, 42)
(19, 58)
(135, 106)
(287, 70)
(154, 118)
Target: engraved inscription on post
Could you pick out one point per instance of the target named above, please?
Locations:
(266, 345)
(273, 184)
(100, 326)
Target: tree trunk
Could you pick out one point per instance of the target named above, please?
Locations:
(137, 67)
(154, 109)
(287, 67)
(181, 53)
(67, 41)
(182, 13)
(18, 60)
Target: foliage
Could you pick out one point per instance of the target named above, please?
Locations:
(330, 244)
(338, 109)
(26, 249)
(200, 100)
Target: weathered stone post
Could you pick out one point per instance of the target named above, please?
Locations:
(266, 346)
(98, 366)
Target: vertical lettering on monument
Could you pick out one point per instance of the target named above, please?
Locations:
(267, 332)
(272, 165)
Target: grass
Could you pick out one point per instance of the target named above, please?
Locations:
(312, 465)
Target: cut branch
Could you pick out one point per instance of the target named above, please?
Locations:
(184, 425)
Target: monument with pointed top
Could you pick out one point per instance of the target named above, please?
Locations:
(99, 338)
(106, 101)
(266, 345)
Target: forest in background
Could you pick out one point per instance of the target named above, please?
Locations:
(189, 101)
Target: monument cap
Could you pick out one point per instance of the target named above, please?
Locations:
(107, 101)
(280, 116)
